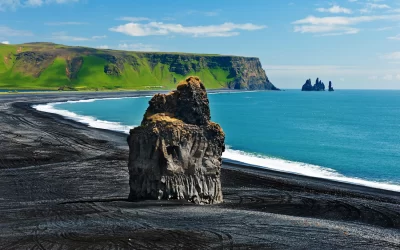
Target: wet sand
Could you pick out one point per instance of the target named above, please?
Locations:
(64, 186)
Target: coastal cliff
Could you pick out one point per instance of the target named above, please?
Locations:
(176, 152)
(53, 66)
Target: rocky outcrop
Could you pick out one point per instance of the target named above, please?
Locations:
(307, 86)
(73, 67)
(318, 86)
(330, 86)
(112, 70)
(33, 63)
(176, 151)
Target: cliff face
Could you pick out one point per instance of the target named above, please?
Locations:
(52, 66)
(176, 152)
(241, 72)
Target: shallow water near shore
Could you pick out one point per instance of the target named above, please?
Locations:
(350, 136)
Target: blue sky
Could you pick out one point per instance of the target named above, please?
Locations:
(354, 43)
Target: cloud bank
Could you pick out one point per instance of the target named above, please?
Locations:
(162, 29)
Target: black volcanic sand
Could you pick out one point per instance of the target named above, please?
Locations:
(64, 186)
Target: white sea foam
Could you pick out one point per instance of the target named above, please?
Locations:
(230, 154)
(301, 169)
(88, 120)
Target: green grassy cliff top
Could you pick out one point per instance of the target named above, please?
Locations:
(60, 67)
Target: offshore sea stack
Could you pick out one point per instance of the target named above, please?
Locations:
(176, 152)
(330, 86)
(318, 86)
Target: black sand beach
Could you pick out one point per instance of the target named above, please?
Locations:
(64, 186)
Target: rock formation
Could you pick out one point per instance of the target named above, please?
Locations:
(307, 86)
(176, 152)
(330, 86)
(318, 86)
(125, 70)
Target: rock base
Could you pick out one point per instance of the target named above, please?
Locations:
(193, 188)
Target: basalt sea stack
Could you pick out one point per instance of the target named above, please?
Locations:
(176, 152)
(318, 86)
(330, 86)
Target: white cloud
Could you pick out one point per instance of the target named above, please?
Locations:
(308, 68)
(334, 70)
(392, 56)
(64, 23)
(370, 7)
(159, 28)
(6, 31)
(383, 28)
(377, 6)
(98, 37)
(387, 77)
(9, 4)
(328, 29)
(339, 20)
(63, 36)
(335, 9)
(34, 2)
(133, 19)
(137, 47)
(41, 2)
(14, 4)
(103, 47)
(204, 13)
(211, 13)
(61, 1)
(397, 37)
(338, 25)
(373, 78)
(398, 76)
(5, 42)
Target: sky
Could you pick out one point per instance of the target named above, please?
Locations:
(353, 43)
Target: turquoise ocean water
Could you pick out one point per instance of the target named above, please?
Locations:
(348, 135)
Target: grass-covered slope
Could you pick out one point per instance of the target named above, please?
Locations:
(53, 66)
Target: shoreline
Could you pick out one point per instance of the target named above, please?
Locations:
(338, 180)
(64, 185)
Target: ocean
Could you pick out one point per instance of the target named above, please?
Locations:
(347, 135)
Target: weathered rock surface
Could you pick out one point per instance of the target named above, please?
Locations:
(307, 86)
(330, 86)
(318, 86)
(176, 152)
